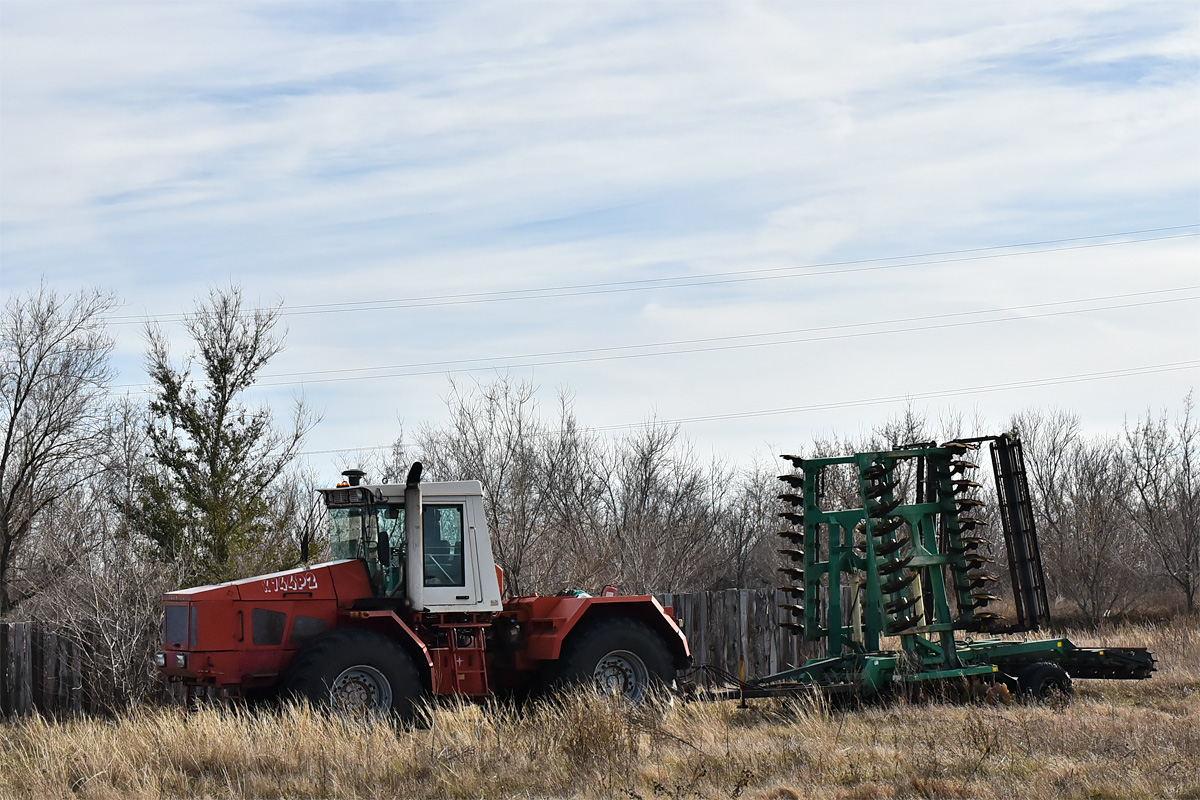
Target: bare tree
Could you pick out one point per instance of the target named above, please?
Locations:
(53, 387)
(659, 509)
(747, 524)
(1093, 554)
(574, 551)
(1164, 459)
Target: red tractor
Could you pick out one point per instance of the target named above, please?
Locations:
(412, 606)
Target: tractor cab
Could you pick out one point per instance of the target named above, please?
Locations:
(443, 540)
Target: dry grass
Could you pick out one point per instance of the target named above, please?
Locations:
(1118, 740)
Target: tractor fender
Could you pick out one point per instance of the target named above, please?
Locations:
(388, 623)
(554, 625)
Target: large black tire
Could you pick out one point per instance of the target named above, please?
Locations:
(1045, 682)
(619, 656)
(355, 672)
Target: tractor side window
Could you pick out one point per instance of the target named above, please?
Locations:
(444, 560)
(390, 520)
(392, 537)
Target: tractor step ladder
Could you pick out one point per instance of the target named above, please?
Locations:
(461, 666)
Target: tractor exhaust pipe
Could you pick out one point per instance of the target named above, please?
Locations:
(413, 533)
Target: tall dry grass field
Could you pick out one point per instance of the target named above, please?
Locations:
(1117, 740)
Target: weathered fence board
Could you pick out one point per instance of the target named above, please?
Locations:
(18, 661)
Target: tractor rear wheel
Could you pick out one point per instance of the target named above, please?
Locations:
(356, 672)
(1045, 682)
(621, 657)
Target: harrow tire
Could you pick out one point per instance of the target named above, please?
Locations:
(1045, 682)
(621, 656)
(355, 672)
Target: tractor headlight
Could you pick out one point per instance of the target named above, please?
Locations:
(176, 660)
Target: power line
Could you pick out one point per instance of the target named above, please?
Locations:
(1058, 380)
(737, 337)
(743, 346)
(703, 279)
(552, 358)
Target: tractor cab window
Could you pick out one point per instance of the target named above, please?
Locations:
(443, 535)
(353, 532)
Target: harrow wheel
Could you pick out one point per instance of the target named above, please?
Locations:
(1045, 682)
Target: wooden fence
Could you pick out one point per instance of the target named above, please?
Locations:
(735, 632)
(39, 670)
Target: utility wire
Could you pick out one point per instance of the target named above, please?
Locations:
(552, 358)
(743, 336)
(1052, 381)
(712, 349)
(688, 281)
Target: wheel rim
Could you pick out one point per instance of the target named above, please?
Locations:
(622, 673)
(1052, 690)
(361, 689)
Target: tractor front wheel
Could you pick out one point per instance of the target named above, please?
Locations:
(621, 657)
(355, 672)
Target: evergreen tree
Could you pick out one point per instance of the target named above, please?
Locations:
(217, 458)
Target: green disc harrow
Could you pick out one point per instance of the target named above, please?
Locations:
(897, 576)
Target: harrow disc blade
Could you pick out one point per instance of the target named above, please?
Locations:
(794, 481)
(795, 537)
(963, 485)
(880, 489)
(897, 584)
(795, 555)
(887, 568)
(792, 517)
(901, 624)
(789, 497)
(792, 572)
(979, 600)
(794, 591)
(795, 609)
(883, 509)
(898, 606)
(797, 461)
(959, 466)
(884, 528)
(887, 548)
(875, 470)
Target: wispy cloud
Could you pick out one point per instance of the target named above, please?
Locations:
(333, 152)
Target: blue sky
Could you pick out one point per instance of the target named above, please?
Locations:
(342, 153)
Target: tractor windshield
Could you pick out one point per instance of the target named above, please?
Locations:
(374, 533)
(353, 532)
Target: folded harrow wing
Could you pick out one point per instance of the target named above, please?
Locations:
(896, 571)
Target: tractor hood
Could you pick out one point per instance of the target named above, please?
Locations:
(345, 579)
